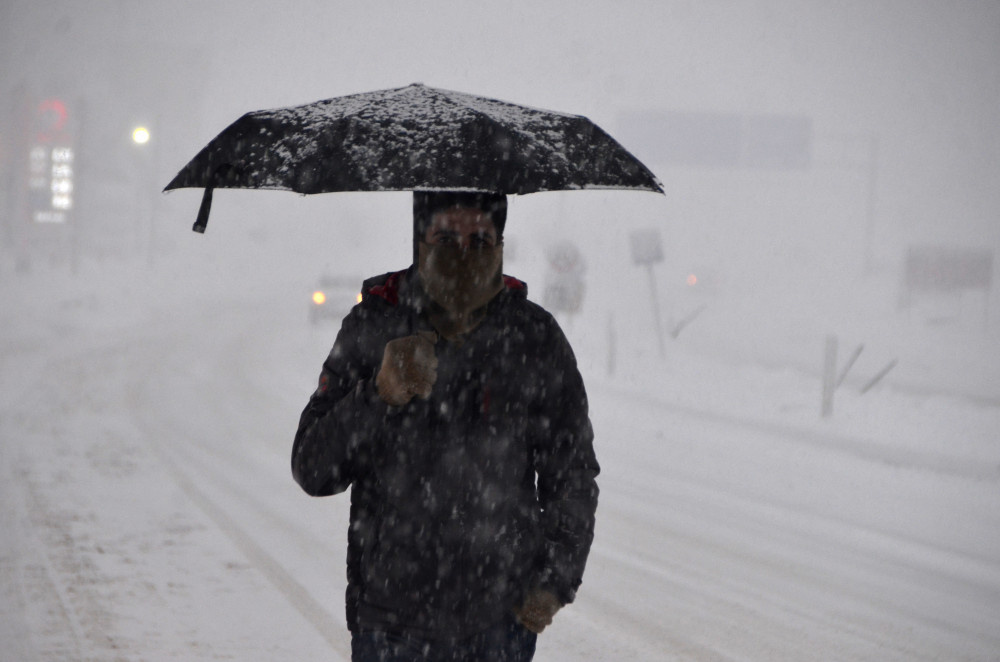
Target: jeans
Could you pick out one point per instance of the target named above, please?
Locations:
(508, 641)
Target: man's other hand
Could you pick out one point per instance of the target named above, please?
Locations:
(538, 609)
(409, 369)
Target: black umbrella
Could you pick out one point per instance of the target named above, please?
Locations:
(408, 139)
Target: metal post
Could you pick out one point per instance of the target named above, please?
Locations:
(829, 376)
(612, 345)
(657, 323)
(850, 364)
(79, 148)
(869, 265)
(877, 378)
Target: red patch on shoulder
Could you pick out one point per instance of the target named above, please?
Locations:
(512, 283)
(389, 290)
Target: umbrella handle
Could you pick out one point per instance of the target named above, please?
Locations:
(206, 206)
(219, 176)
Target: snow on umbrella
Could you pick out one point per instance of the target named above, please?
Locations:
(412, 138)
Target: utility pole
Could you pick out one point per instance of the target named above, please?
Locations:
(647, 250)
(870, 203)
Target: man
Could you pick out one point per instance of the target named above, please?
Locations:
(453, 408)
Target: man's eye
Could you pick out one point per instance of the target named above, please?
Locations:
(481, 241)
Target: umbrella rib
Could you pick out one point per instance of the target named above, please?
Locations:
(513, 127)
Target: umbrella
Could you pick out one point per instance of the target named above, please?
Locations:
(408, 139)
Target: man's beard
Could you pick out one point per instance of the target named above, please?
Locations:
(460, 281)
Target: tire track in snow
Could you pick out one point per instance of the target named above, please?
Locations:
(762, 555)
(293, 591)
(764, 562)
(62, 630)
(38, 596)
(220, 477)
(808, 481)
(297, 595)
(865, 449)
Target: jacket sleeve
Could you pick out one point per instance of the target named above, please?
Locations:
(567, 469)
(341, 414)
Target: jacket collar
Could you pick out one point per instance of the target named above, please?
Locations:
(404, 287)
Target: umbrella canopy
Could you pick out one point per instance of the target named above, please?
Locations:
(409, 139)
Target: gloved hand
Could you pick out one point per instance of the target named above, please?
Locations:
(538, 609)
(409, 368)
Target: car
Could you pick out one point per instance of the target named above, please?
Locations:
(333, 298)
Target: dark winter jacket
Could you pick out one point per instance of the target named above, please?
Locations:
(448, 526)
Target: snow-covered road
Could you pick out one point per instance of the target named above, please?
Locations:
(149, 512)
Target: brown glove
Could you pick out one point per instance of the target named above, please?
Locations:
(538, 609)
(409, 368)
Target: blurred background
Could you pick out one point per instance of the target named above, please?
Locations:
(828, 168)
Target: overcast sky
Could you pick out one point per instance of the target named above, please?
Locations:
(918, 78)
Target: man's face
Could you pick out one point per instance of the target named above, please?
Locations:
(460, 259)
(464, 227)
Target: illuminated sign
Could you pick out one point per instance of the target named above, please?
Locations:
(50, 164)
(51, 183)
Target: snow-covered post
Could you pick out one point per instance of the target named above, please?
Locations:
(647, 250)
(829, 375)
(657, 324)
(612, 345)
(849, 365)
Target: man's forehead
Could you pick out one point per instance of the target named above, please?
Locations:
(462, 219)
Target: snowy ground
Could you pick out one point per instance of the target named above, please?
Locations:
(148, 512)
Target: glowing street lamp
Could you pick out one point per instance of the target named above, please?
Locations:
(145, 157)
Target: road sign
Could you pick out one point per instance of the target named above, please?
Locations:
(945, 269)
(647, 248)
(564, 287)
(563, 294)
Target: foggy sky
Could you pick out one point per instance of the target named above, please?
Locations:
(925, 75)
(921, 79)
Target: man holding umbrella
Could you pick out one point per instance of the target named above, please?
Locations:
(453, 408)
(450, 404)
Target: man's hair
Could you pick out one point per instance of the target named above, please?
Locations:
(425, 203)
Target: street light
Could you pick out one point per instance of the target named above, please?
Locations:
(146, 184)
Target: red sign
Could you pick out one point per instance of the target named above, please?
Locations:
(50, 120)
